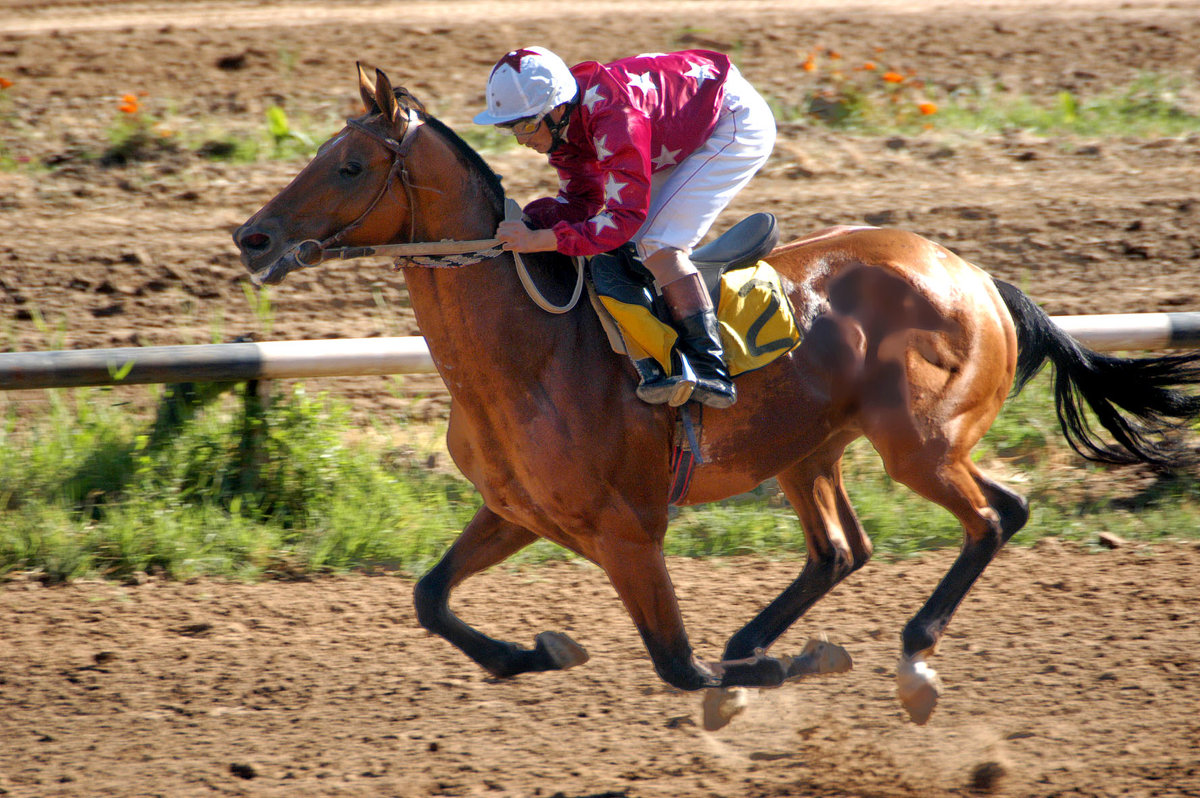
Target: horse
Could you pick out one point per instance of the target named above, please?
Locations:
(904, 343)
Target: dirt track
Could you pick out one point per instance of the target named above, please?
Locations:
(1076, 673)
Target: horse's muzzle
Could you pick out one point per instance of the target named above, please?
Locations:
(304, 255)
(268, 258)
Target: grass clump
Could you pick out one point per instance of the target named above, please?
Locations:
(228, 493)
(1151, 105)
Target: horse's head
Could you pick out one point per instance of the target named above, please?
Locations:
(352, 193)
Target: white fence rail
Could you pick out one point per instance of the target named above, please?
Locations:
(345, 357)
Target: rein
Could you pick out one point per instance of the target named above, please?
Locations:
(446, 254)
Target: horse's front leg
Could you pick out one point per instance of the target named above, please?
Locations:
(487, 540)
(638, 572)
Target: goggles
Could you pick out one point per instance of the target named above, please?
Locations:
(522, 127)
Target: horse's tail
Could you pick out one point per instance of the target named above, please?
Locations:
(1138, 400)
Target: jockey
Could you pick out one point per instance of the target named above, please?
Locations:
(648, 150)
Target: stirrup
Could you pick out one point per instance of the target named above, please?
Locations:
(711, 393)
(656, 388)
(673, 391)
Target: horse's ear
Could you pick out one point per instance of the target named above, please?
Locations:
(385, 98)
(366, 87)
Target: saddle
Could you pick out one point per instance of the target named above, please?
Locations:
(738, 247)
(756, 319)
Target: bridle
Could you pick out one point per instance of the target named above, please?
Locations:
(399, 168)
(433, 254)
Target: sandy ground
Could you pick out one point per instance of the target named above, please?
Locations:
(1069, 672)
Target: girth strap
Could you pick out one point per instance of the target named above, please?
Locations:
(685, 456)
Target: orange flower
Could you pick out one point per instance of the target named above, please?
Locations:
(5, 83)
(869, 66)
(927, 108)
(809, 65)
(129, 104)
(893, 77)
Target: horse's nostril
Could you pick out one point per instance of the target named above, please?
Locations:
(256, 241)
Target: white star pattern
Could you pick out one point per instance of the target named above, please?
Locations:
(603, 220)
(642, 82)
(701, 72)
(561, 197)
(665, 158)
(602, 151)
(593, 96)
(612, 189)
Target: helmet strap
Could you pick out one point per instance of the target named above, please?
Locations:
(556, 128)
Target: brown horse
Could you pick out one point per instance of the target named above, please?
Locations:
(905, 343)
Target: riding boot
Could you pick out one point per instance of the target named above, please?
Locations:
(700, 340)
(656, 387)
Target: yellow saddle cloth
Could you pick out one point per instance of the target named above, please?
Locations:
(755, 317)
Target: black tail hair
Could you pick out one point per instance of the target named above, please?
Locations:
(1138, 400)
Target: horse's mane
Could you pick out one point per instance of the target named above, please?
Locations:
(490, 179)
(547, 266)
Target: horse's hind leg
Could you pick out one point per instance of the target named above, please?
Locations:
(990, 514)
(487, 540)
(837, 546)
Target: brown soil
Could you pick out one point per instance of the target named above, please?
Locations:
(1067, 672)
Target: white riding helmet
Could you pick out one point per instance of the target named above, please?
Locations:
(526, 82)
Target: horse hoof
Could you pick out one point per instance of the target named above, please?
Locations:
(562, 650)
(828, 657)
(818, 657)
(918, 686)
(722, 704)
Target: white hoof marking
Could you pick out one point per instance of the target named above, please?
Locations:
(918, 686)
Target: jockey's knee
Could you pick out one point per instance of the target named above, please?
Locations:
(668, 264)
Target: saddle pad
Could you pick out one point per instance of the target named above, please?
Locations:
(755, 317)
(757, 324)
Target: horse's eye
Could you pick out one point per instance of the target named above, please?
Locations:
(350, 169)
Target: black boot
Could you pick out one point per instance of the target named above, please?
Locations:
(700, 344)
(700, 340)
(656, 388)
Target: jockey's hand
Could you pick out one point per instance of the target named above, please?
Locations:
(516, 237)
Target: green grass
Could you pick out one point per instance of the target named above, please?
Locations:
(90, 488)
(1152, 105)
